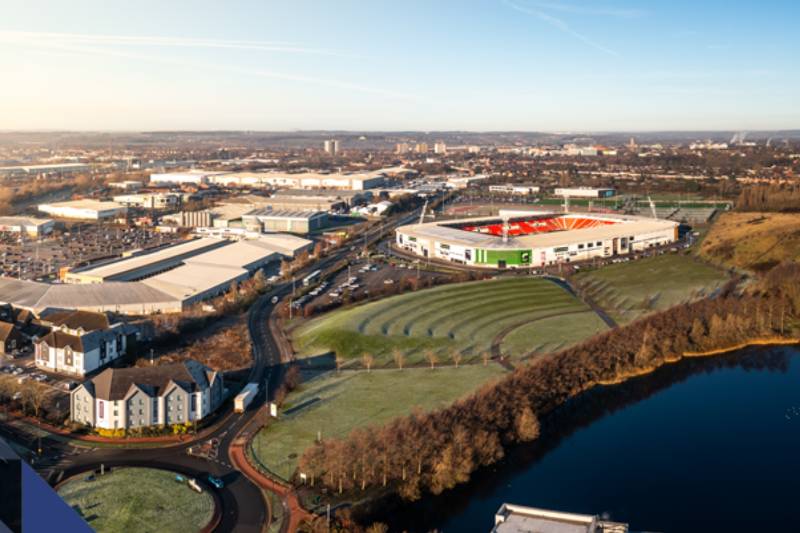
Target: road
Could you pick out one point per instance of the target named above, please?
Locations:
(243, 505)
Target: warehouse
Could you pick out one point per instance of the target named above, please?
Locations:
(268, 220)
(32, 227)
(162, 283)
(190, 177)
(520, 240)
(149, 200)
(84, 210)
(143, 265)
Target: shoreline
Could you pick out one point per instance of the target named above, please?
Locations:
(765, 341)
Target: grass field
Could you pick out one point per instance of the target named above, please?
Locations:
(465, 317)
(334, 404)
(752, 241)
(138, 499)
(628, 291)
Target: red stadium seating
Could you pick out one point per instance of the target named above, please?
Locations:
(540, 225)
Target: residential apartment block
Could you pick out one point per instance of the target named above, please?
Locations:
(127, 398)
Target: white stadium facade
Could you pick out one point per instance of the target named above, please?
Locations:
(526, 239)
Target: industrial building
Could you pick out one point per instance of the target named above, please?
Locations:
(585, 192)
(149, 200)
(55, 168)
(127, 185)
(168, 280)
(144, 264)
(84, 210)
(320, 199)
(515, 188)
(518, 239)
(269, 220)
(32, 227)
(522, 519)
(189, 177)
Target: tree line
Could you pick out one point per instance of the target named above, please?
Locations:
(433, 452)
(784, 198)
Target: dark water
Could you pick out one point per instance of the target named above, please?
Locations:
(703, 445)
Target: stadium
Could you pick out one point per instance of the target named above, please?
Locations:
(526, 239)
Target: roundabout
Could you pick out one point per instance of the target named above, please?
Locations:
(130, 498)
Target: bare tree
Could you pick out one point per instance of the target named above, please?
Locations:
(367, 359)
(430, 355)
(399, 358)
(455, 356)
(339, 362)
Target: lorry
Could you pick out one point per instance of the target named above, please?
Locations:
(244, 398)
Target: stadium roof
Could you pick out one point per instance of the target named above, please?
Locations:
(443, 232)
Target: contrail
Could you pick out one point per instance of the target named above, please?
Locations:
(561, 26)
(185, 42)
(94, 50)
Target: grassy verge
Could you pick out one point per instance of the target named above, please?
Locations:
(628, 291)
(335, 404)
(138, 499)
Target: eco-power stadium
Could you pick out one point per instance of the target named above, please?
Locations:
(519, 239)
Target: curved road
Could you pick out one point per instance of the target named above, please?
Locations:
(243, 505)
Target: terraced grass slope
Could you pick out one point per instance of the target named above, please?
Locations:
(752, 241)
(628, 291)
(468, 317)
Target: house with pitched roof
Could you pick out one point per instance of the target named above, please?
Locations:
(80, 342)
(11, 338)
(129, 398)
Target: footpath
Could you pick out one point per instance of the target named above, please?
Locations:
(296, 515)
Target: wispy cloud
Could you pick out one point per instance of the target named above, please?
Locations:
(94, 50)
(560, 25)
(603, 11)
(161, 41)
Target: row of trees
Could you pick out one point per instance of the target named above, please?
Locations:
(769, 198)
(435, 451)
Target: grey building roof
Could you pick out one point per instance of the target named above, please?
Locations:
(115, 383)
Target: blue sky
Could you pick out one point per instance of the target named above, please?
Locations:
(547, 65)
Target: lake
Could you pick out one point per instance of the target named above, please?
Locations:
(709, 444)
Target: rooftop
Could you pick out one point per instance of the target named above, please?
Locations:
(114, 383)
(96, 205)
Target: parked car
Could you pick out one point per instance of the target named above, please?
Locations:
(215, 481)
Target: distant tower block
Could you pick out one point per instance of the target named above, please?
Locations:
(331, 146)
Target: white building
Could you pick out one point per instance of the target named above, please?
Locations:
(585, 192)
(331, 146)
(440, 148)
(84, 209)
(149, 200)
(80, 342)
(511, 188)
(164, 395)
(521, 519)
(33, 227)
(462, 182)
(127, 185)
(190, 177)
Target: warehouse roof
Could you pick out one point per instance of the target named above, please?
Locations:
(97, 205)
(148, 258)
(191, 279)
(284, 213)
(239, 254)
(23, 221)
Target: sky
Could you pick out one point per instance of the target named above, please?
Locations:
(480, 65)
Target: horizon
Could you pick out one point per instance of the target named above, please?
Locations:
(492, 66)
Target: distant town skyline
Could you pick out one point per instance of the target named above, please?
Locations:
(502, 65)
